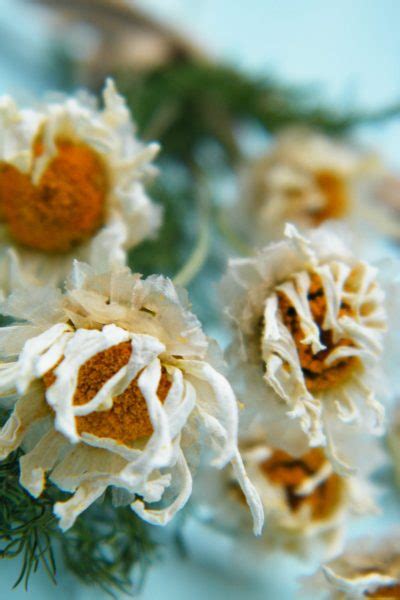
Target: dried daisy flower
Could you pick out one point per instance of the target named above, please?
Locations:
(112, 381)
(306, 178)
(309, 320)
(71, 183)
(306, 503)
(369, 568)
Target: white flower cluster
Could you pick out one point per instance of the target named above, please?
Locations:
(308, 364)
(111, 379)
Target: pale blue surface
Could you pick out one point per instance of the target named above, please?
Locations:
(353, 51)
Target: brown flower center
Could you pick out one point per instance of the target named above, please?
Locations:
(317, 375)
(387, 591)
(289, 472)
(67, 205)
(128, 419)
(334, 190)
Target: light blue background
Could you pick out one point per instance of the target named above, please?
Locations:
(351, 52)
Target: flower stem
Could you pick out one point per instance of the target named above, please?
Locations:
(230, 235)
(197, 258)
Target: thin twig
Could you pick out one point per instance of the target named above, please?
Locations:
(199, 254)
(230, 235)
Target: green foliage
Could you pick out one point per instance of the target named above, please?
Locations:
(187, 103)
(26, 525)
(107, 547)
(167, 251)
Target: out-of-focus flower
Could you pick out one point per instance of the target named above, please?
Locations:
(71, 183)
(309, 320)
(306, 178)
(113, 383)
(369, 568)
(306, 503)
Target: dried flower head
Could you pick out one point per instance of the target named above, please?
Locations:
(367, 569)
(114, 387)
(306, 503)
(309, 320)
(306, 178)
(71, 183)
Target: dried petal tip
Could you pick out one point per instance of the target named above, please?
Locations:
(369, 568)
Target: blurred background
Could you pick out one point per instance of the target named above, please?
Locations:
(346, 54)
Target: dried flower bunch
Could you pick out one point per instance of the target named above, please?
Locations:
(71, 183)
(112, 396)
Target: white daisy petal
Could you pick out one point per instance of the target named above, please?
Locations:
(216, 409)
(252, 496)
(29, 408)
(86, 494)
(183, 479)
(38, 461)
(367, 568)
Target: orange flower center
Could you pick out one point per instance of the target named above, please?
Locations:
(128, 419)
(387, 591)
(67, 205)
(289, 472)
(334, 190)
(317, 375)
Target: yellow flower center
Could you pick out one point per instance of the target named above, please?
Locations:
(387, 591)
(289, 472)
(128, 419)
(317, 375)
(334, 190)
(67, 205)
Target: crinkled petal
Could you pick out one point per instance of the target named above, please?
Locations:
(217, 407)
(29, 408)
(182, 479)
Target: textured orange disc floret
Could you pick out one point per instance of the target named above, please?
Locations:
(387, 591)
(334, 190)
(65, 208)
(317, 375)
(128, 419)
(289, 472)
